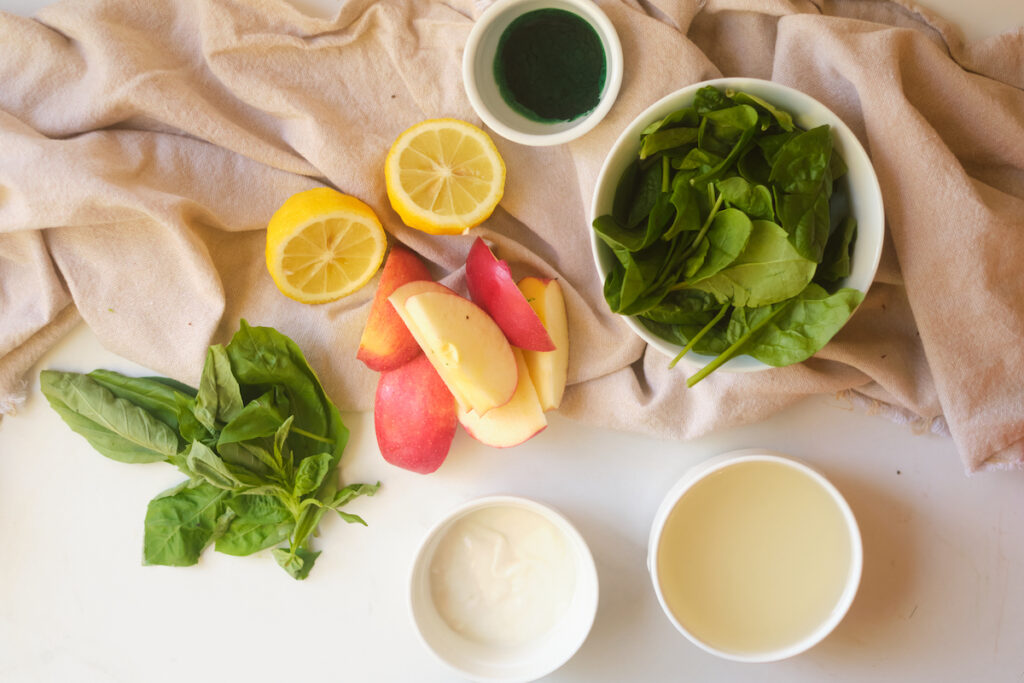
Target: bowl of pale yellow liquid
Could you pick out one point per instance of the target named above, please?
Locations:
(755, 556)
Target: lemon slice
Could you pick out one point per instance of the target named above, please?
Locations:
(323, 245)
(444, 176)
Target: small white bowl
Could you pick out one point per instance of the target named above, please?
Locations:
(497, 663)
(859, 185)
(482, 89)
(715, 464)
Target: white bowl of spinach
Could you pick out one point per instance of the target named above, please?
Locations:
(737, 224)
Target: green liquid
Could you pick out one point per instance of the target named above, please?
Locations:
(550, 66)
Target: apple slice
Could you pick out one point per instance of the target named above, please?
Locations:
(464, 344)
(414, 416)
(491, 286)
(513, 423)
(548, 369)
(386, 343)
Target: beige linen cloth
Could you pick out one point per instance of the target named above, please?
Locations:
(145, 145)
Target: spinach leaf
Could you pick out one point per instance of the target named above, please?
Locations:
(647, 192)
(770, 145)
(685, 201)
(624, 192)
(753, 200)
(767, 271)
(685, 117)
(805, 325)
(802, 163)
(686, 307)
(708, 99)
(727, 125)
(805, 218)
(261, 521)
(727, 238)
(181, 522)
(753, 167)
(669, 138)
(835, 265)
(219, 398)
(113, 426)
(783, 118)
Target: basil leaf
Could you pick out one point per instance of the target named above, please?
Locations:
(181, 522)
(264, 356)
(113, 426)
(260, 522)
(260, 417)
(150, 393)
(219, 398)
(298, 564)
(310, 473)
(207, 465)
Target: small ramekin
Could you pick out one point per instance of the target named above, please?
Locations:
(482, 89)
(504, 664)
(699, 472)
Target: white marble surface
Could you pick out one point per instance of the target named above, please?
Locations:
(942, 597)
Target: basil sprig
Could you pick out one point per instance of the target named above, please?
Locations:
(259, 440)
(723, 233)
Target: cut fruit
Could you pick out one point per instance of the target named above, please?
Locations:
(386, 343)
(464, 344)
(444, 176)
(414, 417)
(513, 423)
(323, 245)
(549, 370)
(491, 287)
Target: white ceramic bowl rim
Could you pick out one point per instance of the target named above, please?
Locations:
(864, 192)
(696, 474)
(584, 602)
(554, 133)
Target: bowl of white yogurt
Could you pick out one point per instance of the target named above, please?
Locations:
(503, 589)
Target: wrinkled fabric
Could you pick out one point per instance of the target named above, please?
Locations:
(144, 147)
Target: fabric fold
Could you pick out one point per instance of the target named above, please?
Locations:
(145, 147)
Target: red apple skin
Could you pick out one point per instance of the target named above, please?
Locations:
(414, 416)
(492, 288)
(386, 343)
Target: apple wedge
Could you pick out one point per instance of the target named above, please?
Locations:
(549, 370)
(414, 416)
(466, 347)
(386, 342)
(513, 423)
(491, 286)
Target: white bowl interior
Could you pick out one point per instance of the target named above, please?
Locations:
(482, 88)
(859, 187)
(702, 470)
(484, 662)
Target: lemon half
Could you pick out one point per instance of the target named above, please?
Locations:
(323, 245)
(444, 176)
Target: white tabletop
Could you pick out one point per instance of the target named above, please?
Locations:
(942, 596)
